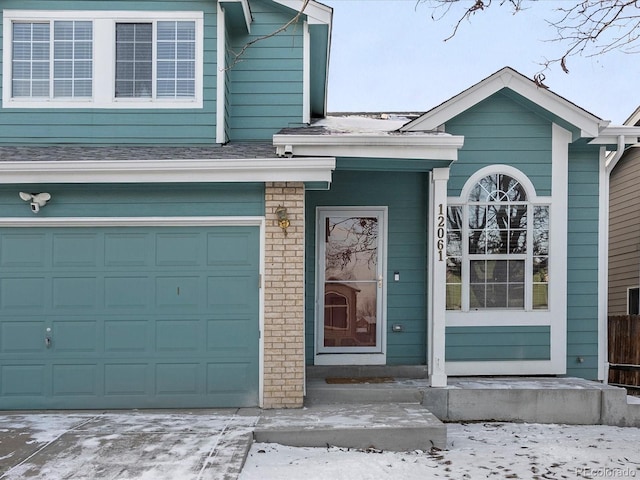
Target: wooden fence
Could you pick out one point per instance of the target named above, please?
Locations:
(624, 350)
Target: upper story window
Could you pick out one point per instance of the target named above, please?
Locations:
(498, 248)
(52, 60)
(147, 59)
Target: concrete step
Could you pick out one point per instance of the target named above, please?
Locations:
(392, 427)
(319, 392)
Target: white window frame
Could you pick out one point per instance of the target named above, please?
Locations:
(500, 317)
(104, 26)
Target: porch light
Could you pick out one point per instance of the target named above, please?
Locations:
(283, 219)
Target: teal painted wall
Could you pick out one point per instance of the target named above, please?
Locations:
(582, 263)
(497, 343)
(266, 84)
(263, 90)
(405, 194)
(499, 130)
(118, 126)
(137, 200)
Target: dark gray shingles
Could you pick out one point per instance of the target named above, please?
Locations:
(92, 153)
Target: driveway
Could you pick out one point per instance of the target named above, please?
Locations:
(199, 444)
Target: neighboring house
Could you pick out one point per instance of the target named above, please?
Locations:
(187, 240)
(624, 229)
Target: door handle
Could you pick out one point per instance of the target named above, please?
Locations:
(47, 338)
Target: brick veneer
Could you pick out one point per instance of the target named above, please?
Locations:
(284, 298)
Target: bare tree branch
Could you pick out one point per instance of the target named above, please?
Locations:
(237, 56)
(587, 27)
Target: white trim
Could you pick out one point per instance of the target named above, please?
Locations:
(168, 222)
(478, 175)
(221, 77)
(306, 74)
(131, 221)
(351, 355)
(603, 266)
(511, 367)
(383, 145)
(611, 134)
(103, 58)
(438, 180)
(316, 12)
(508, 78)
(558, 226)
(169, 171)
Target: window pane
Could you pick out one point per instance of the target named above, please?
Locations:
(517, 241)
(540, 296)
(72, 58)
(185, 88)
(186, 51)
(516, 296)
(176, 45)
(541, 230)
(186, 31)
(516, 271)
(133, 60)
(454, 296)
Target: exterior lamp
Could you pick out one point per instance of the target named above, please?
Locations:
(283, 219)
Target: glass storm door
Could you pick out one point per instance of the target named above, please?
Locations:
(350, 280)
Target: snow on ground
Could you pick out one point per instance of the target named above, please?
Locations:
(474, 451)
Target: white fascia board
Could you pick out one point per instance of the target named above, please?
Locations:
(317, 13)
(589, 125)
(170, 171)
(610, 135)
(425, 147)
(221, 77)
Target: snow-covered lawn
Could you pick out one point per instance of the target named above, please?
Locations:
(475, 450)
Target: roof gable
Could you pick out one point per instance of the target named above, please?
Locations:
(560, 110)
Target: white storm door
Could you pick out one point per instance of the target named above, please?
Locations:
(350, 293)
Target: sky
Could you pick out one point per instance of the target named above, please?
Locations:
(390, 56)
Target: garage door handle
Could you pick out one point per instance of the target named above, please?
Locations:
(47, 338)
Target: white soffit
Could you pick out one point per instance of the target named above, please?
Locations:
(610, 135)
(170, 171)
(508, 78)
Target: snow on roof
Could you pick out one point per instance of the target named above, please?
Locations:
(365, 123)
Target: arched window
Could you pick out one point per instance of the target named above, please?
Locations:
(497, 248)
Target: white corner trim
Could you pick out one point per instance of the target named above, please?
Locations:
(560, 141)
(427, 146)
(306, 74)
(221, 77)
(603, 266)
(170, 171)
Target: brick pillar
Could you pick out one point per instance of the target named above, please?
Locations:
(284, 298)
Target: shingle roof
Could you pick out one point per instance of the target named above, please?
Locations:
(94, 153)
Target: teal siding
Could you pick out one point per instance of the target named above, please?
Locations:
(405, 194)
(499, 130)
(266, 84)
(119, 126)
(482, 344)
(137, 200)
(582, 263)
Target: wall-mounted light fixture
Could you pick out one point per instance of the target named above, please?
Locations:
(283, 219)
(36, 200)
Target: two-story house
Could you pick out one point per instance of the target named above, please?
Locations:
(177, 229)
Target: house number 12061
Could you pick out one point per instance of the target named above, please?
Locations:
(440, 233)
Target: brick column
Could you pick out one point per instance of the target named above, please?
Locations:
(284, 298)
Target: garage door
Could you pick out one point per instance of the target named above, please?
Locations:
(107, 317)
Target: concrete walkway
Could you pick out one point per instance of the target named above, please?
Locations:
(213, 444)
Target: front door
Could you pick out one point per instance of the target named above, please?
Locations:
(350, 323)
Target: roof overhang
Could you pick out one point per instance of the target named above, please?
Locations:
(587, 124)
(312, 170)
(238, 9)
(411, 146)
(315, 12)
(611, 135)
